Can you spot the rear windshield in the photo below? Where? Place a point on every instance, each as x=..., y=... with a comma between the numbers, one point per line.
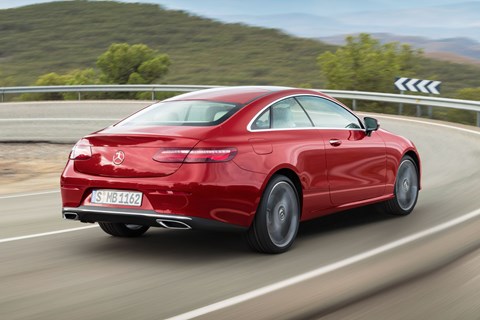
x=182, y=113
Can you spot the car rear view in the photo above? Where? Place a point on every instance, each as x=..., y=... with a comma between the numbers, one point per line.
x=157, y=168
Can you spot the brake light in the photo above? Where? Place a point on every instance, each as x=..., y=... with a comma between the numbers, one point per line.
x=171, y=154
x=211, y=155
x=81, y=151
x=197, y=155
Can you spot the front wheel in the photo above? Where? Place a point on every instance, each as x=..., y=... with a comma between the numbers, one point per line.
x=276, y=222
x=123, y=230
x=406, y=188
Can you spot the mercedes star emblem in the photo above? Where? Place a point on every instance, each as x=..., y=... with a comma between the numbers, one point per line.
x=118, y=157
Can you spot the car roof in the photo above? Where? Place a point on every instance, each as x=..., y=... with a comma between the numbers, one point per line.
x=237, y=95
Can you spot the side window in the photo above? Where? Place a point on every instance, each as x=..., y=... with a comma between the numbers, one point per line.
x=327, y=114
x=289, y=114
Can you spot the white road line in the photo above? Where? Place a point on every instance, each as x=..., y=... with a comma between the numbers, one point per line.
x=37, y=235
x=59, y=119
x=325, y=269
x=28, y=194
x=430, y=123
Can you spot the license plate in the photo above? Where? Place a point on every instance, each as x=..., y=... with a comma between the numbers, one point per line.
x=125, y=198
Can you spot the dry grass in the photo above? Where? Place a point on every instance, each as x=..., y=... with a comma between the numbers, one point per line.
x=31, y=167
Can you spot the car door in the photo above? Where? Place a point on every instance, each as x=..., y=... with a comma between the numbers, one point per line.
x=294, y=140
x=356, y=163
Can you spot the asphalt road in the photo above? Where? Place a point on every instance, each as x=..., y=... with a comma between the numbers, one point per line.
x=86, y=274
x=449, y=293
x=61, y=122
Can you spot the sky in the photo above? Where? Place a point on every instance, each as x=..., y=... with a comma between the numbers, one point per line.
x=214, y=8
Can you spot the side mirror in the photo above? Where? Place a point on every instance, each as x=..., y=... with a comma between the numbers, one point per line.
x=371, y=124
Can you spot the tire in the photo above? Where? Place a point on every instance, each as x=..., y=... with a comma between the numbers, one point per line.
x=275, y=225
x=406, y=189
x=123, y=230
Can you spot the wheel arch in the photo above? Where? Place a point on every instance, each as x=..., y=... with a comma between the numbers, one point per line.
x=412, y=154
x=293, y=176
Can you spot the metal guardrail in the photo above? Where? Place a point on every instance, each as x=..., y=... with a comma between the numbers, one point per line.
x=353, y=95
x=79, y=89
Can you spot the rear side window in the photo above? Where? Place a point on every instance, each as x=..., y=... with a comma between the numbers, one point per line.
x=263, y=121
x=327, y=114
x=182, y=113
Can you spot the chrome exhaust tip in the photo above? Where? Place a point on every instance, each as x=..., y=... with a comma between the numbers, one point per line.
x=70, y=215
x=172, y=224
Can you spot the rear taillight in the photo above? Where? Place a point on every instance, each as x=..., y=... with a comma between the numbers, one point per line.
x=197, y=155
x=81, y=151
x=211, y=155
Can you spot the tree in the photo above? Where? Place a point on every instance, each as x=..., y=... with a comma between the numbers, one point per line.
x=80, y=77
x=49, y=79
x=120, y=64
x=136, y=64
x=364, y=64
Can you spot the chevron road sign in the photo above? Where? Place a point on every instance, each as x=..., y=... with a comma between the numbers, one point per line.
x=418, y=85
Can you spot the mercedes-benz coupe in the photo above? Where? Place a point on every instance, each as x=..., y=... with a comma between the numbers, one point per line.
x=256, y=159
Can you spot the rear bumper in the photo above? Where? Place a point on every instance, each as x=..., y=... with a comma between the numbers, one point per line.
x=221, y=192
x=144, y=217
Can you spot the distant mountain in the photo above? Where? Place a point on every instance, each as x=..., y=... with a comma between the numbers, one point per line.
x=452, y=49
x=444, y=21
x=452, y=26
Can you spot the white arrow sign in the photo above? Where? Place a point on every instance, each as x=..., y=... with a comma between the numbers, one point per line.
x=399, y=84
x=417, y=85
x=411, y=85
x=432, y=87
x=422, y=85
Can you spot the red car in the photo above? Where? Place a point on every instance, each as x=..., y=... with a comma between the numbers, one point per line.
x=258, y=159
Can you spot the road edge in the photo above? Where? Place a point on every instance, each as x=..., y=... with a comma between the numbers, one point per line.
x=321, y=294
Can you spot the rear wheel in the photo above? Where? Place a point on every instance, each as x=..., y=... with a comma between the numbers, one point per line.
x=406, y=188
x=123, y=230
x=276, y=222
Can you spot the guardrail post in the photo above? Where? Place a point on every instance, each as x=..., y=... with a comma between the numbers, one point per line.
x=354, y=105
x=478, y=119
x=419, y=111
x=2, y=96
x=400, y=105
x=430, y=112
x=153, y=95
x=79, y=96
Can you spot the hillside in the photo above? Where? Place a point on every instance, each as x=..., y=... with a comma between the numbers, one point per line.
x=458, y=49
x=60, y=36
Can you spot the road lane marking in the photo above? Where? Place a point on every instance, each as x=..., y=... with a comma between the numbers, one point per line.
x=324, y=269
x=59, y=119
x=37, y=235
x=28, y=194
x=430, y=123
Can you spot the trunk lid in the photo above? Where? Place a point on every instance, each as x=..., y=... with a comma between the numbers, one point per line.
x=128, y=152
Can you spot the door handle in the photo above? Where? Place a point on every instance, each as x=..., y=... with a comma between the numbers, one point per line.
x=335, y=142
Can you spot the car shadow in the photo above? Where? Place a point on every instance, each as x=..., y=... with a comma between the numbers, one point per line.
x=197, y=246
x=342, y=220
